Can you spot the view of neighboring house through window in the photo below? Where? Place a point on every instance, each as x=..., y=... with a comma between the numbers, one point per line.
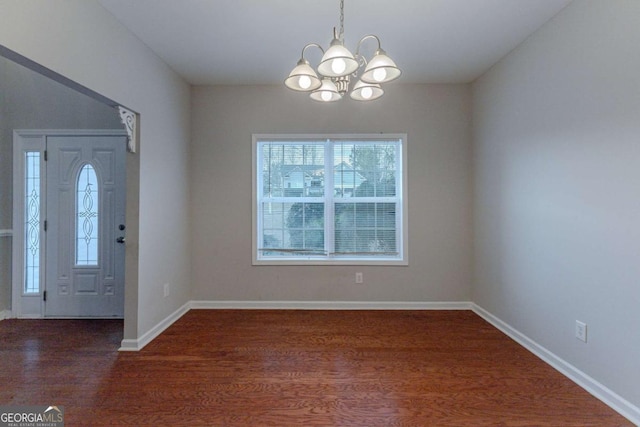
x=329, y=199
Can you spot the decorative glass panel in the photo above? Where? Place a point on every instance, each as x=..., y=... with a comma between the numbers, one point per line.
x=32, y=223
x=87, y=217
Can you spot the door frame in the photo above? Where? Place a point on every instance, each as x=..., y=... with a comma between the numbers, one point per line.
x=32, y=305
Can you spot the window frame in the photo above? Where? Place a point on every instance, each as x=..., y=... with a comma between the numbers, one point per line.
x=401, y=192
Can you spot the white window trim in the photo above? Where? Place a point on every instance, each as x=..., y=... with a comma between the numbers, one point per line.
x=403, y=259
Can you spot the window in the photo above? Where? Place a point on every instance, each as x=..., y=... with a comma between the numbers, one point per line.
x=32, y=222
x=329, y=199
x=87, y=217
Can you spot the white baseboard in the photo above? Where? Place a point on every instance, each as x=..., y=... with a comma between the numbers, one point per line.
x=146, y=338
x=331, y=305
x=5, y=314
x=613, y=400
x=138, y=344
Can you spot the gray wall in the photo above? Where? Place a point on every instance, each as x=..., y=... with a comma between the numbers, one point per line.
x=83, y=42
x=557, y=189
x=29, y=100
x=437, y=121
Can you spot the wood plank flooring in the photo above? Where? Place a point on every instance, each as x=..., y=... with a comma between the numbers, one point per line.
x=292, y=368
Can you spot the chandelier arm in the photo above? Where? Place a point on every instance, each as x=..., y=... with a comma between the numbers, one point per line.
x=362, y=63
x=310, y=45
x=368, y=36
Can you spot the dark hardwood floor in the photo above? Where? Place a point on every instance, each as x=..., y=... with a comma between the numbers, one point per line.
x=292, y=368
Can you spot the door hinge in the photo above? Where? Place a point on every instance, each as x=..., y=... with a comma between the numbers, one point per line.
x=45, y=225
x=44, y=295
x=46, y=156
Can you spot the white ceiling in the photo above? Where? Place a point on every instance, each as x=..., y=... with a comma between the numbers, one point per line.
x=260, y=41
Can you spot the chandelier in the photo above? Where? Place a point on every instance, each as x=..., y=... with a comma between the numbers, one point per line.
x=339, y=66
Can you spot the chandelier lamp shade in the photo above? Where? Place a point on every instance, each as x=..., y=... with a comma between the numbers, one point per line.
x=327, y=92
x=363, y=91
x=303, y=78
x=339, y=67
x=337, y=61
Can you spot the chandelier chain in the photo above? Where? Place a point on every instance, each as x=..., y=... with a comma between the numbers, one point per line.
x=341, y=36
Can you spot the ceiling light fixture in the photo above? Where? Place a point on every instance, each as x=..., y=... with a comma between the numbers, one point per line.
x=338, y=66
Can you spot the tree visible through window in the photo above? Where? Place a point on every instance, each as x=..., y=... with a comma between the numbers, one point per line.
x=329, y=199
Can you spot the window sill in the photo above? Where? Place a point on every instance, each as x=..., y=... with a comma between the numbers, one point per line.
x=300, y=262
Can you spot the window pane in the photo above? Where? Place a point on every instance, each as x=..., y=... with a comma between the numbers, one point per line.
x=386, y=216
x=293, y=170
x=87, y=217
x=364, y=170
x=295, y=228
x=365, y=228
x=32, y=223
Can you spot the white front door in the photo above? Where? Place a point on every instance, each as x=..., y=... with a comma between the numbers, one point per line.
x=85, y=205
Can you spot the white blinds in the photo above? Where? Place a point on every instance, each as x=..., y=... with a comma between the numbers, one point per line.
x=323, y=199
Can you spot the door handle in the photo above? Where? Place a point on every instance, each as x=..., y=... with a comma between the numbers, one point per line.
x=120, y=239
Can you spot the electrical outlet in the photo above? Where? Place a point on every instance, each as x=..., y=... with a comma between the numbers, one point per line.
x=581, y=331
x=166, y=290
x=359, y=278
